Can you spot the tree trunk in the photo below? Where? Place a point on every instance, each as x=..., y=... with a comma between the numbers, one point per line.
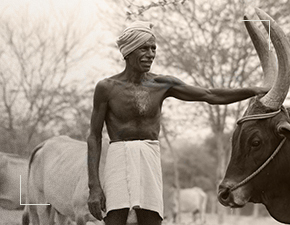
x=220, y=172
x=176, y=194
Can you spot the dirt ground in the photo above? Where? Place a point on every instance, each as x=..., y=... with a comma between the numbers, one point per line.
x=211, y=219
x=8, y=217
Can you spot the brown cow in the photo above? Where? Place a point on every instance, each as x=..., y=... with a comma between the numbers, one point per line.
x=259, y=168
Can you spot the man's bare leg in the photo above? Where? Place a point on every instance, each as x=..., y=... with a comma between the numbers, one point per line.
x=146, y=217
x=117, y=217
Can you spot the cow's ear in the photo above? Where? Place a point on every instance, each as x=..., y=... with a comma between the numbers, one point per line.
x=283, y=129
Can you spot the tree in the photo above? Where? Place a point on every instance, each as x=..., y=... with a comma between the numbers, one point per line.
x=36, y=58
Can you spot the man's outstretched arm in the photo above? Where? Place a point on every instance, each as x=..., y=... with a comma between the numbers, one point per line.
x=180, y=90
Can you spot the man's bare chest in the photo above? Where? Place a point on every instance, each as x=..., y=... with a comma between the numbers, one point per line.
x=141, y=100
x=136, y=100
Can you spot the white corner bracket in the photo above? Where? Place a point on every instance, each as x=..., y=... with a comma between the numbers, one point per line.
x=20, y=197
x=268, y=31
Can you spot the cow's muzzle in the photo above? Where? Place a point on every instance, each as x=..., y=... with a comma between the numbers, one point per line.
x=224, y=195
x=233, y=199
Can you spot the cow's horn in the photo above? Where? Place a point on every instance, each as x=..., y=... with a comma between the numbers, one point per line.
x=276, y=96
x=266, y=56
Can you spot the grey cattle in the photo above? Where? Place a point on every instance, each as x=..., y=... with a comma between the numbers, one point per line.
x=11, y=167
x=58, y=176
x=192, y=200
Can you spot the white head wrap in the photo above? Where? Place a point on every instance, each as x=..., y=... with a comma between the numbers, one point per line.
x=134, y=36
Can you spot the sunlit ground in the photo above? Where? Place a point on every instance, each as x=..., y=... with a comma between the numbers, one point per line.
x=14, y=218
x=211, y=219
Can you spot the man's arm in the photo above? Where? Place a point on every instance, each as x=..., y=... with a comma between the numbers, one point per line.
x=180, y=90
x=96, y=199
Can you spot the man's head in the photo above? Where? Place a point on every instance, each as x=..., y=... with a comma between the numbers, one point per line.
x=138, y=45
x=142, y=58
x=135, y=35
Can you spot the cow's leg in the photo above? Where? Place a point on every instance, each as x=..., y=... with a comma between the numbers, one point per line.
x=52, y=216
x=32, y=209
x=195, y=214
x=174, y=215
x=80, y=220
x=203, y=209
x=44, y=214
x=57, y=218
x=81, y=211
x=80, y=205
x=25, y=216
x=61, y=219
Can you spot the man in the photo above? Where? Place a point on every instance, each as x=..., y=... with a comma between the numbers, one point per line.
x=130, y=105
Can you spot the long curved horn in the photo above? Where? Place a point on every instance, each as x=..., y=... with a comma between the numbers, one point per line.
x=266, y=56
x=276, y=96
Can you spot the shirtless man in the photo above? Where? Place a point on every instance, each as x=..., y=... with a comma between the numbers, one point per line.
x=130, y=104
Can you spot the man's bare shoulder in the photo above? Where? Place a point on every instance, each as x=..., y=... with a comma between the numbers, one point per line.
x=168, y=79
x=108, y=82
x=104, y=87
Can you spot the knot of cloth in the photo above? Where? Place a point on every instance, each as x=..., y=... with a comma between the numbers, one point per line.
x=135, y=35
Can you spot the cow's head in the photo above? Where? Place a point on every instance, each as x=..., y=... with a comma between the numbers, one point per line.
x=261, y=130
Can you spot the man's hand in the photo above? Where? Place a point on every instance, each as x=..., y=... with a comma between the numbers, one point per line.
x=97, y=202
x=261, y=91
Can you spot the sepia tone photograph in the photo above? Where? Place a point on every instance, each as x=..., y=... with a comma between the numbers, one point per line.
x=144, y=112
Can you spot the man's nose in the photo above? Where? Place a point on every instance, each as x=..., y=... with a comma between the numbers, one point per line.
x=151, y=53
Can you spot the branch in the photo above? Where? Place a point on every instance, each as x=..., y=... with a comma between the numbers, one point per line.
x=143, y=8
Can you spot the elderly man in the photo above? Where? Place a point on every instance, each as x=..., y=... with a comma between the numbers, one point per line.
x=130, y=105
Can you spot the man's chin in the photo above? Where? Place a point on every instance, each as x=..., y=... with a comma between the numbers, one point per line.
x=146, y=70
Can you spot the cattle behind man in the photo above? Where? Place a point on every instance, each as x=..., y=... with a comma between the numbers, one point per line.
x=259, y=168
x=11, y=167
x=58, y=176
x=192, y=200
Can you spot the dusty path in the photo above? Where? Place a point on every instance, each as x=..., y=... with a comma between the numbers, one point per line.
x=8, y=217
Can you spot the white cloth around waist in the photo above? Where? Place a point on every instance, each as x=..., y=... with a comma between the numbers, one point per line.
x=133, y=176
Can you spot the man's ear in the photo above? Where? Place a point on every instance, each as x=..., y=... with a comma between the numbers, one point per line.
x=283, y=129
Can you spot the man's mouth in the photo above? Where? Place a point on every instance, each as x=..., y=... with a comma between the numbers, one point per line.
x=146, y=63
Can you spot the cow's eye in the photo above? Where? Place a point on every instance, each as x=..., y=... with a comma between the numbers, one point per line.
x=256, y=143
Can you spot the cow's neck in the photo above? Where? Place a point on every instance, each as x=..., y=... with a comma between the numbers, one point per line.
x=276, y=196
x=278, y=205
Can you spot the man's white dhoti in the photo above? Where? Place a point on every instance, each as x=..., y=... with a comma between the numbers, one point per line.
x=133, y=176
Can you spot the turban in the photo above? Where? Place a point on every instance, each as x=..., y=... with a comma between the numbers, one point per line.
x=134, y=36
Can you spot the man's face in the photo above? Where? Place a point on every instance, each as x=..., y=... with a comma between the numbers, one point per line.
x=142, y=58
